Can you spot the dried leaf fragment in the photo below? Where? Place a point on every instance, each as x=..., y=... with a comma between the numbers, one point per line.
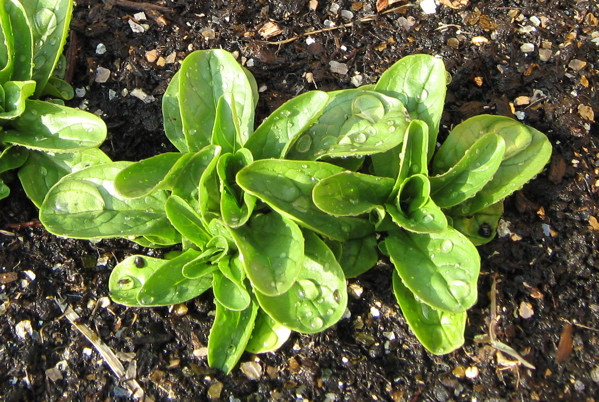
x=586, y=112
x=593, y=223
x=270, y=29
x=564, y=348
x=455, y=4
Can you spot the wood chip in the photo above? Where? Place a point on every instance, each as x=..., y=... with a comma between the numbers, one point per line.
x=455, y=4
x=479, y=41
x=593, y=224
x=557, y=168
x=522, y=100
x=151, y=55
x=269, y=30
x=564, y=348
x=586, y=112
x=8, y=277
x=313, y=5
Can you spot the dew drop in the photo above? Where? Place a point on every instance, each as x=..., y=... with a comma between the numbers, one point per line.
x=303, y=144
x=316, y=323
x=391, y=129
x=288, y=193
x=126, y=283
x=43, y=171
x=360, y=138
x=459, y=289
x=310, y=289
x=446, y=246
x=423, y=95
x=336, y=296
x=428, y=218
x=146, y=299
x=285, y=113
x=330, y=311
x=231, y=348
x=327, y=141
x=301, y=204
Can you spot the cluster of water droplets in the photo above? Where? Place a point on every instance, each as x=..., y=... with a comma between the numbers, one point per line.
x=315, y=303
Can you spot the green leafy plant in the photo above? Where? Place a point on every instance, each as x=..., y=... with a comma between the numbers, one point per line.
x=274, y=220
x=43, y=138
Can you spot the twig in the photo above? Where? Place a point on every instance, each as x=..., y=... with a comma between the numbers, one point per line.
x=346, y=25
x=107, y=354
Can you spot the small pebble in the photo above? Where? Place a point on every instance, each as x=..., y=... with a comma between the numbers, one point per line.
x=102, y=75
x=595, y=374
x=428, y=6
x=356, y=290
x=579, y=386
x=215, y=390
x=328, y=24
x=406, y=23
x=545, y=54
x=23, y=328
x=526, y=311
x=141, y=16
x=310, y=40
x=527, y=48
x=535, y=20
x=200, y=353
x=80, y=92
x=576, y=64
x=111, y=94
x=53, y=374
x=471, y=372
x=374, y=312
x=338, y=68
x=334, y=8
x=151, y=55
x=347, y=15
x=101, y=48
x=356, y=80
x=141, y=95
x=252, y=370
x=208, y=33
x=453, y=43
x=135, y=27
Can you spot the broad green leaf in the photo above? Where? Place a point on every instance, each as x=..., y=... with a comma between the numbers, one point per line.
x=441, y=269
x=187, y=221
x=268, y=335
x=414, y=210
x=317, y=299
x=50, y=25
x=207, y=261
x=236, y=206
x=187, y=185
x=516, y=135
x=15, y=95
x=272, y=250
x=277, y=132
x=209, y=193
x=513, y=173
x=353, y=123
x=154, y=173
x=58, y=88
x=23, y=41
x=12, y=158
x=171, y=114
x=351, y=194
x=226, y=131
x=358, y=256
x=419, y=82
x=481, y=227
x=129, y=275
x=439, y=332
x=7, y=46
x=4, y=190
x=229, y=336
x=471, y=173
x=167, y=285
x=205, y=76
x=51, y=127
x=413, y=157
x=86, y=205
x=42, y=170
x=286, y=186
x=228, y=286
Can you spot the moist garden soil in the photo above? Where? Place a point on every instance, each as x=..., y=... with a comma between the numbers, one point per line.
x=532, y=60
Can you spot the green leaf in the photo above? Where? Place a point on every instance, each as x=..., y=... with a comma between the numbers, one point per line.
x=481, y=227
x=50, y=25
x=15, y=95
x=4, y=190
x=513, y=173
x=353, y=123
x=439, y=332
x=228, y=286
x=441, y=269
x=277, y=132
x=268, y=335
x=187, y=221
x=419, y=82
x=413, y=157
x=167, y=285
x=272, y=250
x=23, y=41
x=7, y=46
x=516, y=135
x=414, y=210
x=236, y=206
x=205, y=76
x=85, y=205
x=171, y=113
x=229, y=336
x=351, y=194
x=42, y=170
x=129, y=275
x=226, y=131
x=58, y=88
x=471, y=173
x=317, y=299
x=151, y=174
x=12, y=158
x=358, y=256
x=187, y=185
x=286, y=186
x=51, y=127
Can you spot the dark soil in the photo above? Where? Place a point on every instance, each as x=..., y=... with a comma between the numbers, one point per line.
x=545, y=262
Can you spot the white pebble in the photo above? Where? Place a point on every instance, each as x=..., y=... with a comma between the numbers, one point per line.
x=141, y=95
x=23, y=328
x=535, y=20
x=356, y=80
x=101, y=48
x=374, y=312
x=527, y=48
x=102, y=75
x=428, y=6
x=135, y=27
x=339, y=68
x=80, y=92
x=347, y=15
x=310, y=40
